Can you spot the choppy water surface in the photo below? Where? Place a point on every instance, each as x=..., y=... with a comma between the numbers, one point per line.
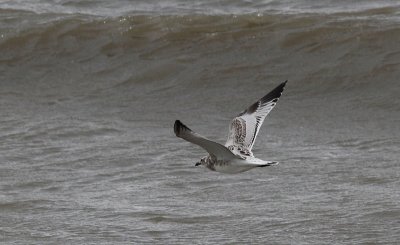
x=89, y=91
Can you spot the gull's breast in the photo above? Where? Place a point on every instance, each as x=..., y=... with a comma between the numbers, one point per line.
x=231, y=167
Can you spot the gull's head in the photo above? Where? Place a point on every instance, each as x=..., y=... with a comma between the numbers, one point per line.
x=202, y=162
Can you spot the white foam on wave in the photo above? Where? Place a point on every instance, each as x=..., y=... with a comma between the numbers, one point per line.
x=121, y=8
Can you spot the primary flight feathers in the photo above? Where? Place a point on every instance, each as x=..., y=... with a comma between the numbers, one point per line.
x=236, y=154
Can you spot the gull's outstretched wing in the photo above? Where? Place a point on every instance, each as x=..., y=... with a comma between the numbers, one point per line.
x=213, y=148
x=244, y=128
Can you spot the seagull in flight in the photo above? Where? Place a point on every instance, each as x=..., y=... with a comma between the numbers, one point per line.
x=236, y=155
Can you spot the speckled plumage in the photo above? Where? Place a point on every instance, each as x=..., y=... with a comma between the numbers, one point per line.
x=236, y=155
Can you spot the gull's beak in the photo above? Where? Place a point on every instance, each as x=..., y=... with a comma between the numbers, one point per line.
x=197, y=164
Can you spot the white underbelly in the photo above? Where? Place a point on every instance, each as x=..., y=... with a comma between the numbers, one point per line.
x=233, y=167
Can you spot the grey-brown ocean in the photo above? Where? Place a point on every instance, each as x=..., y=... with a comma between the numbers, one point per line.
x=89, y=92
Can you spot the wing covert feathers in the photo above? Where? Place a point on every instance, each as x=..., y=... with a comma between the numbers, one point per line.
x=213, y=148
x=244, y=128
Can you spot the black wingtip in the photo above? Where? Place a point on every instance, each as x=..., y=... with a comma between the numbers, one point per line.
x=275, y=93
x=271, y=96
x=178, y=126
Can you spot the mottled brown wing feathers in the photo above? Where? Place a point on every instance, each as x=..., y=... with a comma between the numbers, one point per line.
x=244, y=128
